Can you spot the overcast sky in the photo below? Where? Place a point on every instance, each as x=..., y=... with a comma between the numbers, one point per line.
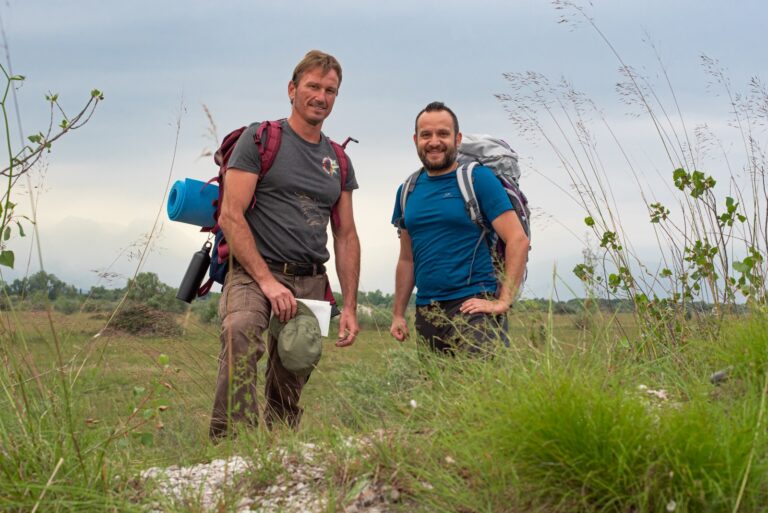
x=160, y=62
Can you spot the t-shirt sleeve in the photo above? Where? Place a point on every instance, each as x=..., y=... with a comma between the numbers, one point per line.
x=397, y=213
x=245, y=155
x=491, y=195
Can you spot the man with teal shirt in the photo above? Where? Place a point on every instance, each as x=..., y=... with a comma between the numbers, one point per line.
x=460, y=303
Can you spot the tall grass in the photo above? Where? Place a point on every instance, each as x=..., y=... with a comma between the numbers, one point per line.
x=50, y=456
x=538, y=430
x=706, y=212
x=590, y=414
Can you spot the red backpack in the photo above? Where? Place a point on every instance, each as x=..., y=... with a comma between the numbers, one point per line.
x=268, y=137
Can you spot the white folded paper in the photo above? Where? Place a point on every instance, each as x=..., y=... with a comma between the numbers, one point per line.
x=322, y=310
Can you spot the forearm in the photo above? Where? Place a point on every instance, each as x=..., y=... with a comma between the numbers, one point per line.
x=404, y=282
x=515, y=258
x=243, y=247
x=347, y=252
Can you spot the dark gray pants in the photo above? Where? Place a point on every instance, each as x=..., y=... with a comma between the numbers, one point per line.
x=444, y=329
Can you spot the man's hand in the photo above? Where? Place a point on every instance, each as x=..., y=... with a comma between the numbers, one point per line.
x=348, y=328
x=478, y=305
x=282, y=300
x=399, y=328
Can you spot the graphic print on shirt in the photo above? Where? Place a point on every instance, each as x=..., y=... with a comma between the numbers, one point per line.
x=330, y=166
x=311, y=210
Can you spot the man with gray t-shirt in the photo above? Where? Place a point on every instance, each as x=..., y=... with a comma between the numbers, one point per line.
x=279, y=248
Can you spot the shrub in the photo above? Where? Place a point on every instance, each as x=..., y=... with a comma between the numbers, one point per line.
x=66, y=306
x=207, y=308
x=142, y=320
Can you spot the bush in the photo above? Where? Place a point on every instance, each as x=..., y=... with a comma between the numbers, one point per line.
x=142, y=320
x=98, y=305
x=207, y=308
x=66, y=306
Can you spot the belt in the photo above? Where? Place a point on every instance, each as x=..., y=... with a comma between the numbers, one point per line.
x=296, y=269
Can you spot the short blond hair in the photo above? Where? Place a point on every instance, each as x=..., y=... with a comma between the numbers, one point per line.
x=316, y=59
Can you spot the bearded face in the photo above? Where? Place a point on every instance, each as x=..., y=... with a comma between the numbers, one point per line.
x=436, y=141
x=437, y=157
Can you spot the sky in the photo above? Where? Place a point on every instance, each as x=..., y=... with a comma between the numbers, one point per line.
x=103, y=186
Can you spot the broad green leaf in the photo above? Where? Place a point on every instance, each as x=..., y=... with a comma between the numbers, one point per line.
x=589, y=221
x=7, y=258
x=163, y=359
x=740, y=267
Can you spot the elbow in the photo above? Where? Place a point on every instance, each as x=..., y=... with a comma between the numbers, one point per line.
x=227, y=220
x=405, y=265
x=346, y=235
x=519, y=240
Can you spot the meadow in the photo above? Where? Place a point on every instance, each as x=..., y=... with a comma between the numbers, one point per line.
x=569, y=418
x=660, y=408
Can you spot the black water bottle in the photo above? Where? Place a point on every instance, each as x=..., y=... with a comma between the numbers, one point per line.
x=201, y=260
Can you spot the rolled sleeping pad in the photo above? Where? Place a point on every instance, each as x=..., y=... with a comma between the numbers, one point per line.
x=191, y=201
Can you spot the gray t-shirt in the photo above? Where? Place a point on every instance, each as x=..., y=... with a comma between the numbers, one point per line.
x=293, y=202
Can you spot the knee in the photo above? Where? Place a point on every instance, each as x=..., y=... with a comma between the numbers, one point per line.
x=242, y=331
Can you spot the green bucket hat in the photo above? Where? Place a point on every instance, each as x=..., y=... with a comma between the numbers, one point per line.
x=299, y=343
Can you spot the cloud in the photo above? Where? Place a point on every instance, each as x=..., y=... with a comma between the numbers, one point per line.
x=104, y=183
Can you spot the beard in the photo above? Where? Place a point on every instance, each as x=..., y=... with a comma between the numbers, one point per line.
x=448, y=159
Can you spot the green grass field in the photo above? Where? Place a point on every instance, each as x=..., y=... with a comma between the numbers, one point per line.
x=570, y=418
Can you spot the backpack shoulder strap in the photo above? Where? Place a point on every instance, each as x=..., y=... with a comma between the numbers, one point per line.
x=465, y=179
x=341, y=156
x=343, y=160
x=268, y=137
x=467, y=187
x=408, y=185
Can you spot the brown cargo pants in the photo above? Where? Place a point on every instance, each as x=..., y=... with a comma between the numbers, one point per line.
x=244, y=311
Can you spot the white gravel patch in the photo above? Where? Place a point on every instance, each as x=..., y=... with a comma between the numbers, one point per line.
x=223, y=485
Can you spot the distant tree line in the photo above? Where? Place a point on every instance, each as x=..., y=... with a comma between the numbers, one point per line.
x=41, y=289
x=37, y=291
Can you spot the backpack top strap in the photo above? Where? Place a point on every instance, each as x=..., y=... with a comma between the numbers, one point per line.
x=466, y=186
x=346, y=141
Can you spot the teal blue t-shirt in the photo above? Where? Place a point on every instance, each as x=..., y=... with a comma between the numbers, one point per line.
x=448, y=262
